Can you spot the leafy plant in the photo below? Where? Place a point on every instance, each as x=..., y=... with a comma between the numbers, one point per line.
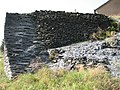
x=2, y=46
x=102, y=34
x=53, y=54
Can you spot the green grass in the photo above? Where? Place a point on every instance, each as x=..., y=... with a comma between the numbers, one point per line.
x=46, y=79
x=3, y=79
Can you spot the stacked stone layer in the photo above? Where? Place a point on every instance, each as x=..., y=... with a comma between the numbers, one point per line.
x=20, y=43
x=58, y=29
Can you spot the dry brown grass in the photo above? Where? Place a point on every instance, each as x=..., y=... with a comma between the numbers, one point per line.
x=117, y=17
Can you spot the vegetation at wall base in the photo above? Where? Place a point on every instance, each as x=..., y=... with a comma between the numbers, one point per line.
x=109, y=32
x=46, y=79
x=2, y=46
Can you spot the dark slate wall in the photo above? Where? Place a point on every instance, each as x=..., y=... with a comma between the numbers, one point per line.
x=58, y=29
x=27, y=36
x=21, y=45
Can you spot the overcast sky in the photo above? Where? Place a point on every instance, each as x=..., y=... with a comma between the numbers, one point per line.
x=27, y=6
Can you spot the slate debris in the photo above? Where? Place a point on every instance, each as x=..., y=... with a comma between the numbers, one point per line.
x=90, y=54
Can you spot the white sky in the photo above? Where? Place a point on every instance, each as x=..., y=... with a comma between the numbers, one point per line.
x=27, y=6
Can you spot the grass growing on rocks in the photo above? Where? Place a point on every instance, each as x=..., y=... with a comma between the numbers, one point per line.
x=46, y=79
x=3, y=79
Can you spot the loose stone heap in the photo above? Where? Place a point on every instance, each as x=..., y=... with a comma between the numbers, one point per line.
x=89, y=54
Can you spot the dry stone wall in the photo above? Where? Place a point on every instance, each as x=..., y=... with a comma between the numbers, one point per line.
x=58, y=29
x=28, y=36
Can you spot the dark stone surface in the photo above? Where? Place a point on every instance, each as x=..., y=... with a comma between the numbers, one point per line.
x=27, y=36
x=58, y=29
x=20, y=33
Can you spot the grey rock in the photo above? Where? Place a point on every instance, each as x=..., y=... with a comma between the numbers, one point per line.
x=93, y=53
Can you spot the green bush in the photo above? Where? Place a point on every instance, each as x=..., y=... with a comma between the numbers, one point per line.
x=53, y=54
x=2, y=46
x=110, y=31
x=102, y=34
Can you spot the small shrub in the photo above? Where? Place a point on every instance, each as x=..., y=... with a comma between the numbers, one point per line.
x=53, y=54
x=35, y=65
x=110, y=31
x=2, y=46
